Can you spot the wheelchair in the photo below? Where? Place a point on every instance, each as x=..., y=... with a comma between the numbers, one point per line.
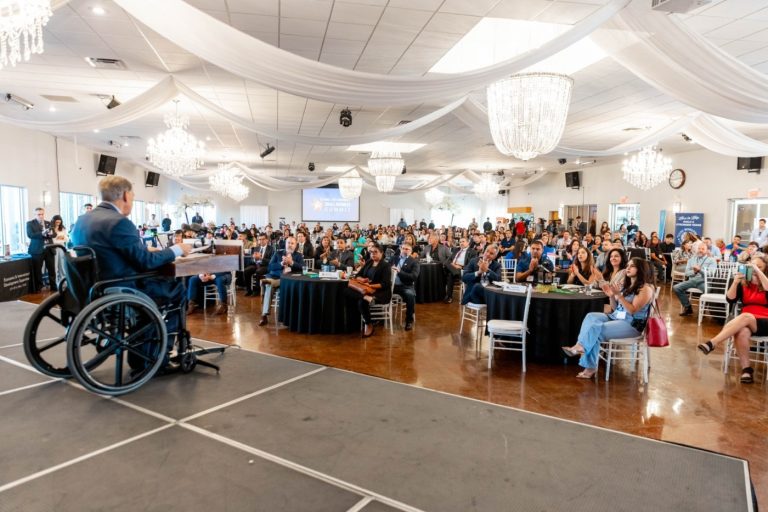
x=115, y=337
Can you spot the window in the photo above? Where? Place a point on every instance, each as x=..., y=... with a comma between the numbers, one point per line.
x=623, y=214
x=13, y=211
x=71, y=206
x=745, y=214
x=251, y=214
x=138, y=213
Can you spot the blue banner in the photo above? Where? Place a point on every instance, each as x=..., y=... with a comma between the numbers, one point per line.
x=662, y=224
x=688, y=223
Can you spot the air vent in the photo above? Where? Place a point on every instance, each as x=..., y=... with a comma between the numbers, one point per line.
x=60, y=99
x=403, y=121
x=103, y=63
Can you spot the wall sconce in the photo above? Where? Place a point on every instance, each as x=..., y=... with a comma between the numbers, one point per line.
x=46, y=196
x=677, y=207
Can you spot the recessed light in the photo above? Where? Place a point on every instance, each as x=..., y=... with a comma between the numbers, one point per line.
x=98, y=10
x=208, y=139
x=51, y=109
x=96, y=130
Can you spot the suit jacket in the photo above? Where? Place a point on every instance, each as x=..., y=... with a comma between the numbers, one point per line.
x=119, y=250
x=37, y=241
x=409, y=272
x=440, y=255
x=470, y=277
x=275, y=269
x=469, y=256
x=266, y=257
x=307, y=251
x=346, y=258
x=383, y=276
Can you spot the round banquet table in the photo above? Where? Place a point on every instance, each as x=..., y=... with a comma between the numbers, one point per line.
x=316, y=306
x=430, y=285
x=554, y=319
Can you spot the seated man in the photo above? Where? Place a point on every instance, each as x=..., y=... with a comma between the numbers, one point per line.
x=261, y=253
x=407, y=269
x=735, y=248
x=667, y=248
x=194, y=290
x=460, y=258
x=120, y=253
x=694, y=270
x=528, y=264
x=283, y=261
x=344, y=257
x=483, y=266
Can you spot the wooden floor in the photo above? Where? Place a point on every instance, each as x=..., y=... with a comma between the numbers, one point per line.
x=688, y=400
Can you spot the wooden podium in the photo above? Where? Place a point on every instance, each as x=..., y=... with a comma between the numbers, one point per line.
x=225, y=258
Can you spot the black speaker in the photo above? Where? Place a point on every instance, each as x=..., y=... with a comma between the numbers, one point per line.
x=107, y=165
x=572, y=179
x=749, y=163
x=152, y=180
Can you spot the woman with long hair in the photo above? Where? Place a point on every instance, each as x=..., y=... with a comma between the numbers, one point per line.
x=630, y=304
x=376, y=273
x=572, y=250
x=615, y=266
x=753, y=320
x=60, y=237
x=604, y=229
x=583, y=270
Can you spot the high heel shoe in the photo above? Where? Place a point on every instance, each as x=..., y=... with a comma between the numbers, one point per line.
x=571, y=352
x=585, y=375
x=367, y=330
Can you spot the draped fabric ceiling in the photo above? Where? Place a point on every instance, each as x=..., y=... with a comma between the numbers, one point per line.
x=659, y=49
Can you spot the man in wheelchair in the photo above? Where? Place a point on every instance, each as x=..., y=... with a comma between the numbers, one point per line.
x=121, y=253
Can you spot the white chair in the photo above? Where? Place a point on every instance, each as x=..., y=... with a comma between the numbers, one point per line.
x=678, y=276
x=733, y=266
x=509, y=334
x=508, y=269
x=758, y=352
x=386, y=311
x=713, y=302
x=474, y=313
x=634, y=350
x=210, y=292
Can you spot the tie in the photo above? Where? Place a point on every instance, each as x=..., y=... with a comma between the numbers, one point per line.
x=458, y=255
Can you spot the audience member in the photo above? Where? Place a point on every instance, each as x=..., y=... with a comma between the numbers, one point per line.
x=530, y=264
x=195, y=290
x=481, y=270
x=376, y=273
x=406, y=273
x=694, y=272
x=583, y=270
x=284, y=261
x=40, y=237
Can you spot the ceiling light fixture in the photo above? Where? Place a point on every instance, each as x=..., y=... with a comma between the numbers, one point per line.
x=527, y=113
x=351, y=185
x=22, y=21
x=345, y=118
x=176, y=151
x=385, y=166
x=434, y=196
x=487, y=188
x=228, y=181
x=647, y=168
x=98, y=10
x=113, y=103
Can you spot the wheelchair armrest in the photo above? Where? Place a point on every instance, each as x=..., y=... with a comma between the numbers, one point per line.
x=101, y=284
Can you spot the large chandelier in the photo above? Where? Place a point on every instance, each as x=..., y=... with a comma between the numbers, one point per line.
x=434, y=196
x=176, y=151
x=351, y=185
x=385, y=166
x=647, y=168
x=228, y=181
x=487, y=188
x=21, y=23
x=238, y=192
x=527, y=112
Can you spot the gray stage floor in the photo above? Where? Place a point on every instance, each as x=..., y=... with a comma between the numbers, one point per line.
x=272, y=434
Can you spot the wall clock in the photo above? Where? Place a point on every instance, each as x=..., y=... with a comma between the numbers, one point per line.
x=677, y=178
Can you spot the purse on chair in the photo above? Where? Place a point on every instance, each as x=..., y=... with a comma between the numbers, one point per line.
x=361, y=287
x=656, y=329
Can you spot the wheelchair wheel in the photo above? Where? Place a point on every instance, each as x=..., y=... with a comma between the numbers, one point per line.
x=47, y=354
x=116, y=344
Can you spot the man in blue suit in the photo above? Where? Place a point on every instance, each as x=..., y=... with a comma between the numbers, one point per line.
x=284, y=261
x=120, y=251
x=40, y=236
x=407, y=273
x=485, y=265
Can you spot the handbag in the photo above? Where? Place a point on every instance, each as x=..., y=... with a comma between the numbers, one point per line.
x=656, y=330
x=361, y=287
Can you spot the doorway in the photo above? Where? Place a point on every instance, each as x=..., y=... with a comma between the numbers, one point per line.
x=623, y=214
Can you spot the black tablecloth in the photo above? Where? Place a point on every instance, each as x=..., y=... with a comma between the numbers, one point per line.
x=15, y=278
x=430, y=286
x=316, y=306
x=554, y=319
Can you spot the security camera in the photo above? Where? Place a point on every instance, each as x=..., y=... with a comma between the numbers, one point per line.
x=267, y=151
x=345, y=118
x=562, y=161
x=311, y=166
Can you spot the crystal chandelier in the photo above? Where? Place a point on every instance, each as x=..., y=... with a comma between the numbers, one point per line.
x=385, y=166
x=228, y=181
x=647, y=168
x=238, y=192
x=351, y=185
x=175, y=151
x=527, y=112
x=487, y=188
x=434, y=196
x=21, y=24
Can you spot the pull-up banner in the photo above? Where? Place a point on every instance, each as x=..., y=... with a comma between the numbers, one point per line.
x=688, y=223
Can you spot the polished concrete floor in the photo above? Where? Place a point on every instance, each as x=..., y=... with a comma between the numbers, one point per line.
x=688, y=399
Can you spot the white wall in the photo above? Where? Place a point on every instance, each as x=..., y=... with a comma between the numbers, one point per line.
x=712, y=180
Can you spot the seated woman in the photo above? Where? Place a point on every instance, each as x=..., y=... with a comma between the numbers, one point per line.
x=571, y=251
x=376, y=273
x=629, y=305
x=681, y=256
x=583, y=271
x=324, y=252
x=616, y=263
x=753, y=320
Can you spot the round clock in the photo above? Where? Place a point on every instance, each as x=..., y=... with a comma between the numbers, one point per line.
x=677, y=178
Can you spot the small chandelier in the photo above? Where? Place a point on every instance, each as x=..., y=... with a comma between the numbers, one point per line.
x=527, y=112
x=385, y=166
x=487, y=188
x=175, y=151
x=434, y=196
x=228, y=181
x=647, y=168
x=238, y=192
x=351, y=185
x=21, y=23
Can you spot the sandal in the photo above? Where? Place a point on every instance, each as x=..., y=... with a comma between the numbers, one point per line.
x=572, y=352
x=706, y=348
x=585, y=374
x=746, y=375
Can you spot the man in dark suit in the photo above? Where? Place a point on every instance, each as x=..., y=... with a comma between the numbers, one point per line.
x=197, y=219
x=581, y=226
x=484, y=266
x=487, y=225
x=261, y=254
x=284, y=261
x=120, y=252
x=40, y=237
x=344, y=257
x=407, y=272
x=304, y=247
x=460, y=258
